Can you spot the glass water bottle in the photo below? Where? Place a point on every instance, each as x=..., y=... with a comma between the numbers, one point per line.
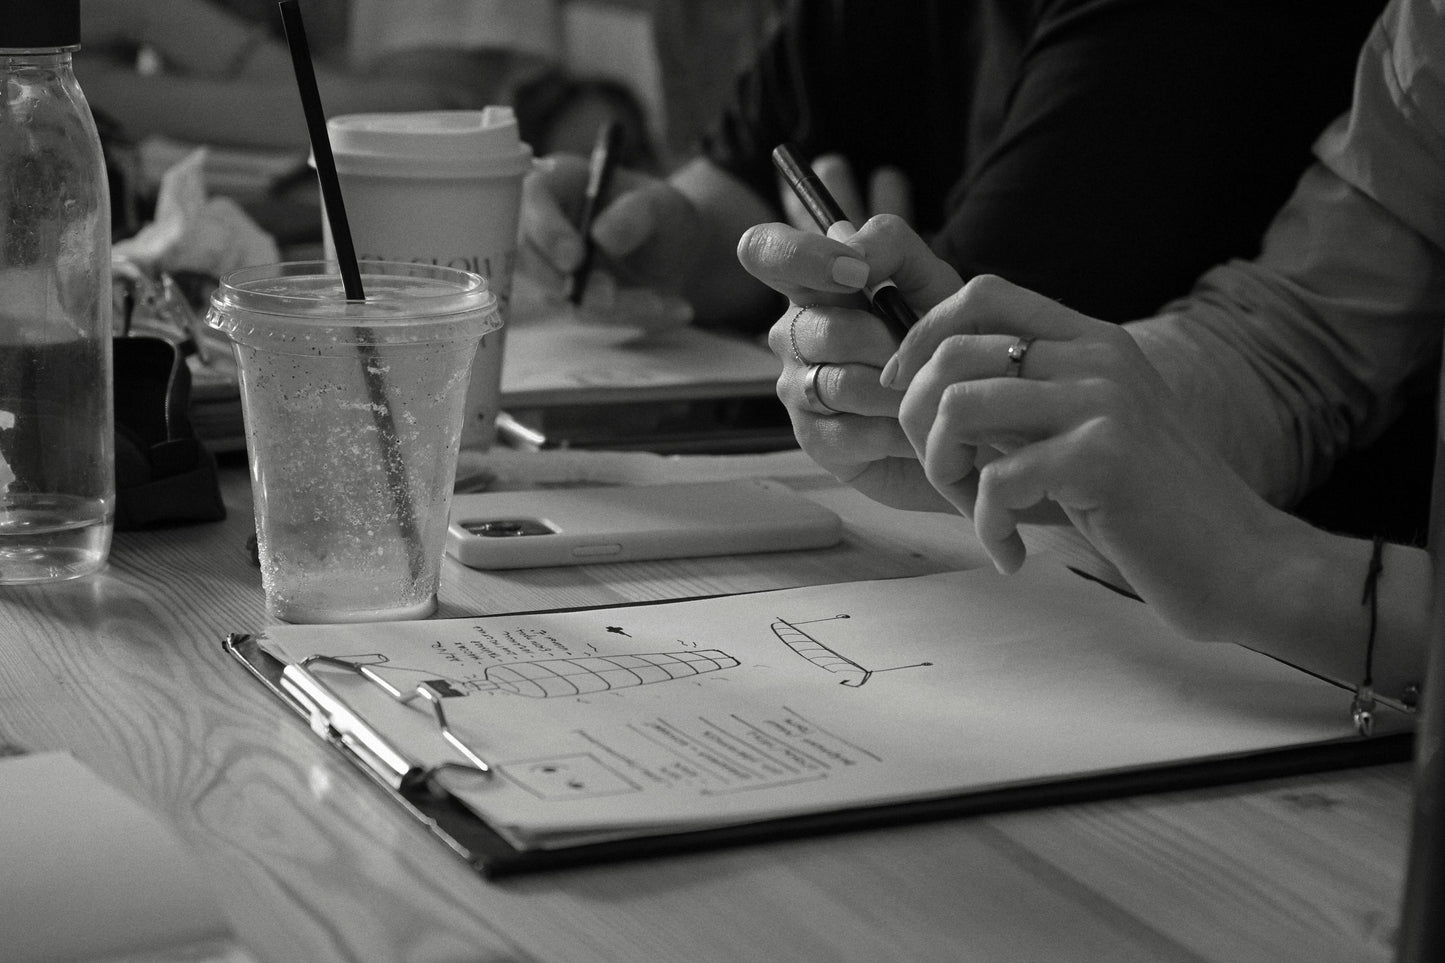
x=57, y=462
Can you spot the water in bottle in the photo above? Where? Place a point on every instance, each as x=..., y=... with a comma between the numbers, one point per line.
x=57, y=466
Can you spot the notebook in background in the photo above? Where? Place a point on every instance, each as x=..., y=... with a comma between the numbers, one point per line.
x=688, y=390
x=90, y=874
x=558, y=360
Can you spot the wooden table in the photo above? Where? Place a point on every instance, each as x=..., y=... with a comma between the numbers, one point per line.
x=125, y=670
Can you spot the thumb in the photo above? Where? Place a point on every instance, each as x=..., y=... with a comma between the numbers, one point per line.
x=894, y=250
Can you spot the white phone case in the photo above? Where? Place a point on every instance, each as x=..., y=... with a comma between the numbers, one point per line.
x=578, y=526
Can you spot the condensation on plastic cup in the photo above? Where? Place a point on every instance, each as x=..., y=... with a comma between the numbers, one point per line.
x=353, y=417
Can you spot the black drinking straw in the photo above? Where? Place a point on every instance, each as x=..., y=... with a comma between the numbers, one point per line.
x=351, y=279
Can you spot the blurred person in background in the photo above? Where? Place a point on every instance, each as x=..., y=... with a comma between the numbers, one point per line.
x=214, y=72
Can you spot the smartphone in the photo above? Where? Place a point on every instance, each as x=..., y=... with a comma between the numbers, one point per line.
x=580, y=526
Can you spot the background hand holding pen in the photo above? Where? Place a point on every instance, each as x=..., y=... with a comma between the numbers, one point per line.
x=635, y=248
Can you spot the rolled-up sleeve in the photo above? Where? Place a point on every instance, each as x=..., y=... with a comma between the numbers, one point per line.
x=1310, y=350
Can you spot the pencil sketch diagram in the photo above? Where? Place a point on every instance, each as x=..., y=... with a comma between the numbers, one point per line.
x=560, y=678
x=854, y=675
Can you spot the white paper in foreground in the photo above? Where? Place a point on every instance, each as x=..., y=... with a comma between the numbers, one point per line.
x=87, y=873
x=641, y=719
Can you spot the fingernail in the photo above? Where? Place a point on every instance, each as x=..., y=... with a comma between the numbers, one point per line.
x=850, y=272
x=890, y=371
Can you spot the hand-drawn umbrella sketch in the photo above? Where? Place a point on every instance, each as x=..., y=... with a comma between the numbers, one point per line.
x=824, y=657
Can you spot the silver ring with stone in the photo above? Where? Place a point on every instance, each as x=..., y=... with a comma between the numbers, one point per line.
x=1016, y=354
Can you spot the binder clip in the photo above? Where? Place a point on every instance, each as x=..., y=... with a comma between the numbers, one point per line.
x=333, y=720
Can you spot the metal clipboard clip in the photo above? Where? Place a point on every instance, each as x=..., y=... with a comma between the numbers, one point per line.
x=333, y=720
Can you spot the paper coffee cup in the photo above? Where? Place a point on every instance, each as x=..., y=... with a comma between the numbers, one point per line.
x=443, y=188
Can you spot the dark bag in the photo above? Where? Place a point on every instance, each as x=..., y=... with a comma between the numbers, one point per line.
x=164, y=475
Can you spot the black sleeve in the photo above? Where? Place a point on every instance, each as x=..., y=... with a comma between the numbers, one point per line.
x=1103, y=152
x=1144, y=142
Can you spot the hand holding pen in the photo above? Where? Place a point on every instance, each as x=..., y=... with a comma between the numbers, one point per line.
x=884, y=296
x=636, y=237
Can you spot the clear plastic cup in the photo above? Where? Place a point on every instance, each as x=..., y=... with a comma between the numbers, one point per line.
x=353, y=416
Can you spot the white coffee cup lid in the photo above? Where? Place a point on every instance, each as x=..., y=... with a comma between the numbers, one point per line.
x=430, y=143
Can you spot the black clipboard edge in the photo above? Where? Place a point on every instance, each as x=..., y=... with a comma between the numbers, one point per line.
x=466, y=835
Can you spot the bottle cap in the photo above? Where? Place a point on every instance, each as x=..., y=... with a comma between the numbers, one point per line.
x=28, y=24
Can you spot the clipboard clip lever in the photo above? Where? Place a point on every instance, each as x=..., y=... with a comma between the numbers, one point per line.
x=334, y=721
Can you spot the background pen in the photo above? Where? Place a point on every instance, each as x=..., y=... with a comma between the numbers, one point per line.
x=599, y=173
x=887, y=300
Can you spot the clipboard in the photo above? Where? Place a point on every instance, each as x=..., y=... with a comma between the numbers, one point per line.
x=412, y=786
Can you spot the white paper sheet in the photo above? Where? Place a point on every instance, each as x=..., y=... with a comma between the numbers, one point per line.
x=87, y=873
x=695, y=714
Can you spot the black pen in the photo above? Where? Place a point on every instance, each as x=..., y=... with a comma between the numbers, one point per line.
x=599, y=172
x=887, y=301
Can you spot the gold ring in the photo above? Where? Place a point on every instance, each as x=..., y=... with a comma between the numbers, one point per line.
x=810, y=391
x=1016, y=354
x=793, y=333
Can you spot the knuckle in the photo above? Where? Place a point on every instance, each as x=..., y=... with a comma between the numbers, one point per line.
x=952, y=350
x=911, y=406
x=1101, y=354
x=790, y=393
x=958, y=412
x=1106, y=436
x=889, y=226
x=997, y=476
x=780, y=341
x=957, y=398
x=983, y=288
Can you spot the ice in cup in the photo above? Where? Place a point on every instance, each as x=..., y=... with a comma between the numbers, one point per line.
x=353, y=414
x=439, y=187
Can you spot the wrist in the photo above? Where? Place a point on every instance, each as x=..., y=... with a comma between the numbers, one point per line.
x=1312, y=609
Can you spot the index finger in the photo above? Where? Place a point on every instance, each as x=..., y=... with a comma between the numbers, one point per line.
x=987, y=305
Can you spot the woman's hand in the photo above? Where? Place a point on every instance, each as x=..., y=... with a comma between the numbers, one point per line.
x=849, y=425
x=647, y=237
x=1082, y=421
